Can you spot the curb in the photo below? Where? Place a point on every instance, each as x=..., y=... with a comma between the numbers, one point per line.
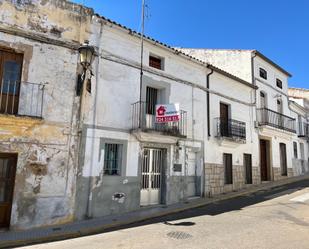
x=102, y=228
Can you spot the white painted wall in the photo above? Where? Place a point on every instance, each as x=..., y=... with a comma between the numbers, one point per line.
x=117, y=81
x=236, y=62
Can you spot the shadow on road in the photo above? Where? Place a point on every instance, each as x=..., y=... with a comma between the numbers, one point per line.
x=220, y=207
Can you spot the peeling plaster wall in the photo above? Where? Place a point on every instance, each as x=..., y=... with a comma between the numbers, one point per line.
x=44, y=191
x=52, y=18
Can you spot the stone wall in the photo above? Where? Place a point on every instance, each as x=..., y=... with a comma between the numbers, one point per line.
x=278, y=176
x=214, y=179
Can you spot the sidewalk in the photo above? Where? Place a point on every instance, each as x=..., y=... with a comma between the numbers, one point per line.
x=97, y=225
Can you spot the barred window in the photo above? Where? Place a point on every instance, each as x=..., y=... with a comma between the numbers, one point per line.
x=112, y=159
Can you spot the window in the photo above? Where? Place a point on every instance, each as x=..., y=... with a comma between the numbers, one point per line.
x=151, y=100
x=10, y=76
x=112, y=159
x=228, y=168
x=295, y=149
x=263, y=73
x=279, y=83
x=156, y=62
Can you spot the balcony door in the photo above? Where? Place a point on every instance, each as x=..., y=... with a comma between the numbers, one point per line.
x=263, y=103
x=151, y=102
x=280, y=111
x=7, y=180
x=224, y=118
x=10, y=75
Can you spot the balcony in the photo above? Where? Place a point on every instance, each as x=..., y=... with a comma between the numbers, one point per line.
x=21, y=98
x=231, y=129
x=143, y=121
x=303, y=130
x=275, y=119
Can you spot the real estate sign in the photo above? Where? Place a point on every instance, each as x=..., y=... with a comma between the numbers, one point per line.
x=167, y=113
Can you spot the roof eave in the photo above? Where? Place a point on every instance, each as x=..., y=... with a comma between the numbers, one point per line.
x=271, y=62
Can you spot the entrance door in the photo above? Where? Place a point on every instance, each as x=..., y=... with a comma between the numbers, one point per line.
x=191, y=174
x=264, y=160
x=283, y=161
x=224, y=117
x=7, y=179
x=151, y=176
x=248, y=168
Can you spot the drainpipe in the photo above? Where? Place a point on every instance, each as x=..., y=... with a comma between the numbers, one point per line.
x=208, y=130
x=207, y=100
x=254, y=94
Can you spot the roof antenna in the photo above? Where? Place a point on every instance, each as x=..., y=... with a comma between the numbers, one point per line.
x=141, y=66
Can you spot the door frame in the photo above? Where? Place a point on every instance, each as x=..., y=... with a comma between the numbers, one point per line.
x=15, y=156
x=248, y=181
x=224, y=118
x=283, y=159
x=268, y=159
x=163, y=191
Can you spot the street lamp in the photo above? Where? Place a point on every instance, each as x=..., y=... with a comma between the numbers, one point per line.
x=86, y=56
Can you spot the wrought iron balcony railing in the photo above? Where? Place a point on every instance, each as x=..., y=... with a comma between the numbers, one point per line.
x=275, y=119
x=144, y=119
x=303, y=129
x=21, y=98
x=231, y=129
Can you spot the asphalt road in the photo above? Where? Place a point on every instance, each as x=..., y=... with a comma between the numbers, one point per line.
x=278, y=218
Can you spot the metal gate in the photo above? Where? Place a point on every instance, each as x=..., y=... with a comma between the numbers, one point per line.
x=151, y=176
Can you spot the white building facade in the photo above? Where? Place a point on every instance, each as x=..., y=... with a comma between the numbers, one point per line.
x=275, y=124
x=128, y=160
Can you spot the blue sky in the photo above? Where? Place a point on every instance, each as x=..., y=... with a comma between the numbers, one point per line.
x=277, y=28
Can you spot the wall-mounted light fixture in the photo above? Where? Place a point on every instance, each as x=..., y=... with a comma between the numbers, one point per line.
x=86, y=56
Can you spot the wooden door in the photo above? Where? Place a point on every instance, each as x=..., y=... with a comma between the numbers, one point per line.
x=10, y=75
x=248, y=168
x=263, y=160
x=283, y=160
x=7, y=180
x=228, y=168
x=224, y=117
